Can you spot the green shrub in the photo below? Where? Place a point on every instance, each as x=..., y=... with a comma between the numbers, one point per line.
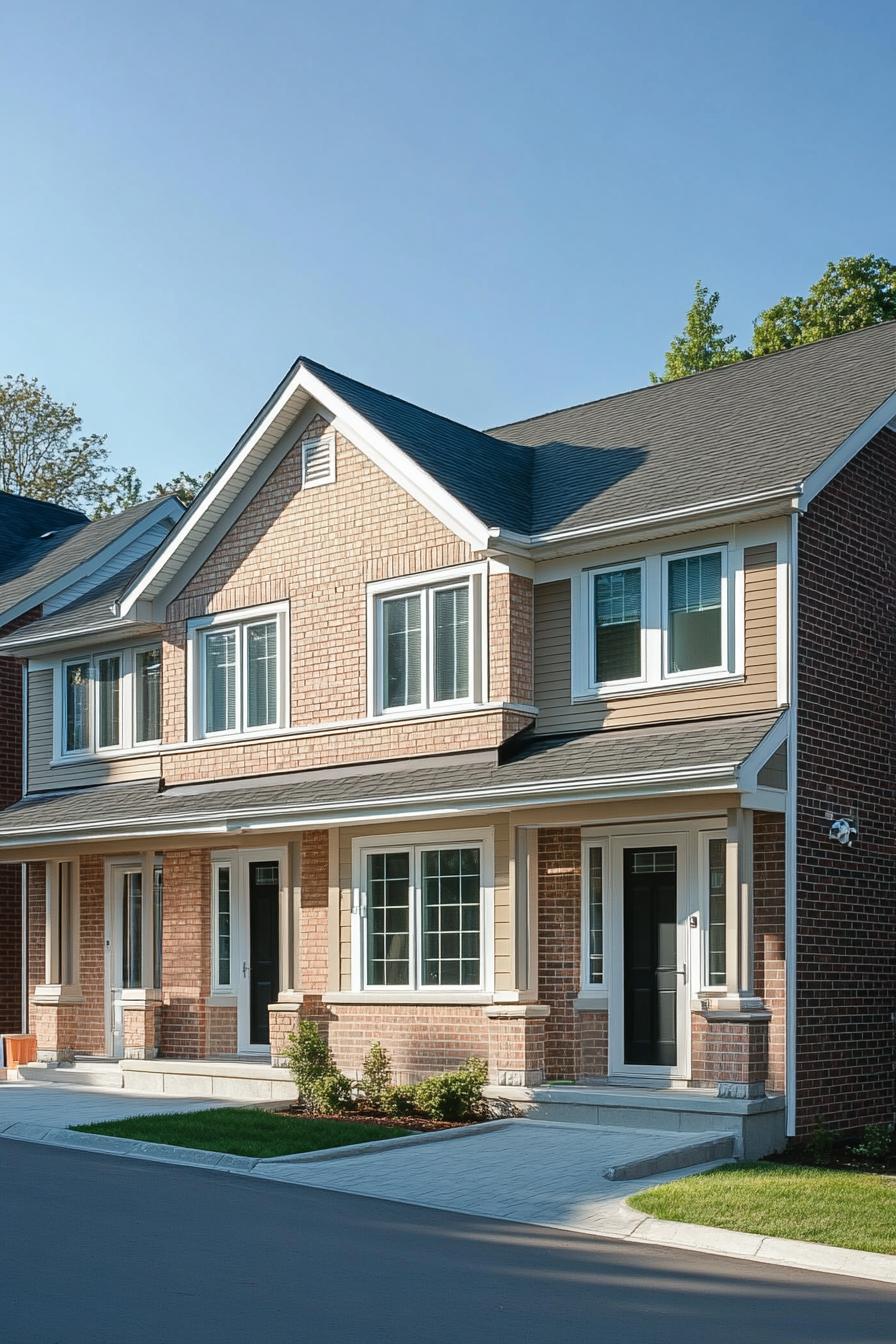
x=399, y=1101
x=453, y=1096
x=876, y=1145
x=310, y=1061
x=376, y=1079
x=820, y=1145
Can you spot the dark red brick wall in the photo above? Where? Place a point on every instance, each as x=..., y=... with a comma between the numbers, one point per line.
x=846, y=898
x=768, y=934
x=11, y=874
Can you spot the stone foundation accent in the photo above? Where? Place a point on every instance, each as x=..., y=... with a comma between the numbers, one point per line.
x=56, y=1027
x=516, y=1044
x=141, y=1023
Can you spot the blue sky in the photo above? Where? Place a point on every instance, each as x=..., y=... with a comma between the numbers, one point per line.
x=490, y=208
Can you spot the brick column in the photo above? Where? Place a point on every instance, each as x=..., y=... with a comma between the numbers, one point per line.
x=142, y=1023
x=733, y=1053
x=516, y=1044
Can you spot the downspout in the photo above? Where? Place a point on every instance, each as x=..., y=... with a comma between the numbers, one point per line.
x=790, y=847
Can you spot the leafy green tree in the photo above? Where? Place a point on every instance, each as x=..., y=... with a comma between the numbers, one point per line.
x=126, y=489
x=43, y=453
x=853, y=292
x=702, y=344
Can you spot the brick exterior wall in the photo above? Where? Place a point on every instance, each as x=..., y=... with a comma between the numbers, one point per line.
x=846, y=915
x=11, y=874
x=768, y=935
x=186, y=954
x=319, y=549
x=91, y=1012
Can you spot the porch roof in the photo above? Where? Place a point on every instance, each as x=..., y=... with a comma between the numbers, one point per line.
x=721, y=754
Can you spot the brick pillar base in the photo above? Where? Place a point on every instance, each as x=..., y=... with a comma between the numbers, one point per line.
x=141, y=1024
x=735, y=1052
x=516, y=1044
x=56, y=1027
x=282, y=1019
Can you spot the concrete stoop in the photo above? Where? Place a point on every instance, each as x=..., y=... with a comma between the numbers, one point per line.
x=755, y=1125
x=220, y=1079
x=82, y=1073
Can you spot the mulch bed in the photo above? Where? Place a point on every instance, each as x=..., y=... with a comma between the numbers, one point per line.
x=418, y=1123
x=840, y=1159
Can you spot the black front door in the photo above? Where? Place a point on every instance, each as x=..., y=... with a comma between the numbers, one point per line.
x=650, y=956
x=264, y=947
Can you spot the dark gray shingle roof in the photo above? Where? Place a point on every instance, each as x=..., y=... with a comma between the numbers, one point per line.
x=594, y=761
x=88, y=611
x=23, y=520
x=44, y=562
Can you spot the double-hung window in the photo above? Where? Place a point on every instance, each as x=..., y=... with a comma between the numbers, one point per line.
x=694, y=616
x=422, y=913
x=239, y=673
x=617, y=597
x=112, y=701
x=428, y=645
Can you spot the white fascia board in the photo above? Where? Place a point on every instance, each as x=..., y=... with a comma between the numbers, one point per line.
x=702, y=779
x=816, y=481
x=775, y=737
x=166, y=508
x=755, y=505
x=97, y=632
x=381, y=450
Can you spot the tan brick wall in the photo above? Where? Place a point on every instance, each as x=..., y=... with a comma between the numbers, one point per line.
x=186, y=957
x=314, y=924
x=319, y=548
x=421, y=1038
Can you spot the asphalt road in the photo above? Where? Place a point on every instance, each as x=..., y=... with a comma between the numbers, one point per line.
x=108, y=1250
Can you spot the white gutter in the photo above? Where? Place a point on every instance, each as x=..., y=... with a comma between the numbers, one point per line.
x=709, y=778
x=790, y=848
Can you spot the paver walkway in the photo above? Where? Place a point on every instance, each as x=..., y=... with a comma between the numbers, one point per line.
x=529, y=1171
x=57, y=1105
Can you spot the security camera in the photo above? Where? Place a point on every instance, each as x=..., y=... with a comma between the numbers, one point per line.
x=843, y=831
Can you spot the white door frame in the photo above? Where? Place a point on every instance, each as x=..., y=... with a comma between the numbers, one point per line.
x=240, y=861
x=113, y=988
x=684, y=837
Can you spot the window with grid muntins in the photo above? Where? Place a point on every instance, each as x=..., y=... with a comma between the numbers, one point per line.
x=617, y=624
x=596, y=917
x=388, y=918
x=450, y=887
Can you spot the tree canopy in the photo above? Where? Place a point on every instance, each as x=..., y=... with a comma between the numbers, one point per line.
x=853, y=292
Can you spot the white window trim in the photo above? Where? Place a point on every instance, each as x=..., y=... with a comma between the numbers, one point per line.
x=53, y=968
x=238, y=621
x=654, y=633
x=127, y=744
x=592, y=988
x=306, y=445
x=705, y=987
x=425, y=586
x=483, y=840
x=132, y=694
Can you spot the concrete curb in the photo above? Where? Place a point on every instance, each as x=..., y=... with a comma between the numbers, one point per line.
x=766, y=1250
x=674, y=1159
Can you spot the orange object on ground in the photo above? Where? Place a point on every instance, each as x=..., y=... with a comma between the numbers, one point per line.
x=19, y=1050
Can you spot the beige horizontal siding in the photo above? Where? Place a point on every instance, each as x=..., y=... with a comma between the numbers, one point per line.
x=503, y=918
x=553, y=668
x=42, y=774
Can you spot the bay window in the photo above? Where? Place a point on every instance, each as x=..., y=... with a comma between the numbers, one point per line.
x=427, y=645
x=238, y=672
x=422, y=917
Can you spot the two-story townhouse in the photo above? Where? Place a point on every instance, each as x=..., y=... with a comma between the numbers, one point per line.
x=49, y=555
x=567, y=744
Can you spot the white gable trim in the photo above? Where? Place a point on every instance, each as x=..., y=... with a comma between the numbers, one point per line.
x=301, y=387
x=167, y=508
x=816, y=481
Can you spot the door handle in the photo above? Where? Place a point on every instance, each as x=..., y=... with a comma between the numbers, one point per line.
x=245, y=969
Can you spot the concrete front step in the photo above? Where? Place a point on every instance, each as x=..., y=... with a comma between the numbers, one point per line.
x=97, y=1073
x=757, y=1125
x=236, y=1080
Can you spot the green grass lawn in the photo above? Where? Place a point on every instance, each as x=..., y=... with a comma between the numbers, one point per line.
x=837, y=1208
x=245, y=1132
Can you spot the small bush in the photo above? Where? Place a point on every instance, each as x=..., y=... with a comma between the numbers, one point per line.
x=820, y=1145
x=376, y=1080
x=313, y=1070
x=399, y=1101
x=453, y=1096
x=876, y=1145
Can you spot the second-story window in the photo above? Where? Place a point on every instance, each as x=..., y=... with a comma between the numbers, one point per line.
x=240, y=681
x=112, y=701
x=618, y=623
x=427, y=646
x=694, y=619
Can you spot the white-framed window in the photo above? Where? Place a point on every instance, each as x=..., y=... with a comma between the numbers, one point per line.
x=422, y=913
x=713, y=908
x=129, y=894
x=238, y=672
x=223, y=927
x=63, y=923
x=318, y=461
x=111, y=701
x=428, y=643
x=695, y=612
x=654, y=621
x=593, y=918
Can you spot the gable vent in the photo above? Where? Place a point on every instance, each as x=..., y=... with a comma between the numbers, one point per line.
x=319, y=461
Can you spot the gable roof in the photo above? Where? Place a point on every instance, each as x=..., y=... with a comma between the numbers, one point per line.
x=23, y=520
x=46, y=564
